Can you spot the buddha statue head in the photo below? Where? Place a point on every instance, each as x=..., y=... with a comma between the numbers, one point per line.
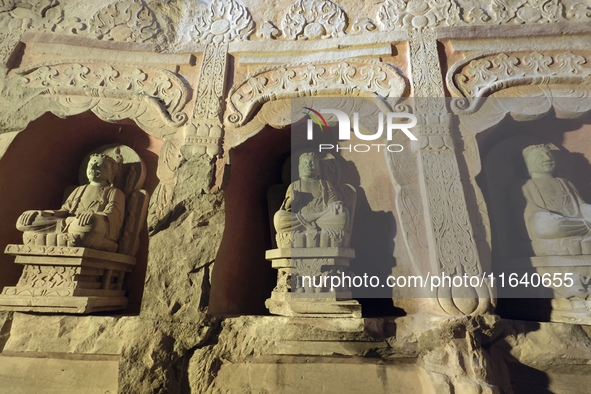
x=308, y=166
x=101, y=169
x=540, y=160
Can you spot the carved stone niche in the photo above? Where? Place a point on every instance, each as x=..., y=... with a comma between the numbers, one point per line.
x=77, y=266
x=313, y=225
x=541, y=229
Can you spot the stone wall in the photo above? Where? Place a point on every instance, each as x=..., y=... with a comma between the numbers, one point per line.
x=201, y=91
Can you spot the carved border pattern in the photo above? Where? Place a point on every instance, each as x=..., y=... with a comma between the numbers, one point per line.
x=426, y=72
x=484, y=76
x=205, y=132
x=397, y=14
x=37, y=292
x=41, y=276
x=46, y=250
x=124, y=20
x=210, y=88
x=112, y=81
x=153, y=97
x=449, y=217
x=351, y=78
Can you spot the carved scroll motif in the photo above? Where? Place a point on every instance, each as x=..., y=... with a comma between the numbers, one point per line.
x=121, y=82
x=126, y=20
x=314, y=19
x=397, y=14
x=205, y=132
x=351, y=78
x=268, y=31
x=48, y=276
x=18, y=16
x=8, y=42
x=223, y=21
x=482, y=77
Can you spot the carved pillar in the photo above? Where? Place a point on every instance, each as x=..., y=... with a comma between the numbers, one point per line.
x=205, y=131
x=8, y=42
x=452, y=248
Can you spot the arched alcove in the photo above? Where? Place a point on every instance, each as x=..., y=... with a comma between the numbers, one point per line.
x=501, y=155
x=242, y=279
x=44, y=159
x=502, y=177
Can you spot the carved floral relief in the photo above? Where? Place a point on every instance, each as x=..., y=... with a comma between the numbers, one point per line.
x=472, y=80
x=354, y=77
x=222, y=21
x=396, y=14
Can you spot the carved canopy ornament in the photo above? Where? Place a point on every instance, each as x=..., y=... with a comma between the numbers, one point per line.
x=42, y=15
x=482, y=77
x=350, y=78
x=222, y=21
x=153, y=97
x=414, y=13
x=313, y=19
x=123, y=20
x=396, y=14
x=127, y=20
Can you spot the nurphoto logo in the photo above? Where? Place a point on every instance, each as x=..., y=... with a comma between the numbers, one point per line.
x=392, y=121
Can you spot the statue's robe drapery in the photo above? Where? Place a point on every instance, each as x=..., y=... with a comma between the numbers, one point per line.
x=554, y=209
x=108, y=203
x=307, y=204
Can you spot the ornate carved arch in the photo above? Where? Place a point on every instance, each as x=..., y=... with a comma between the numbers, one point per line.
x=271, y=87
x=481, y=75
x=153, y=97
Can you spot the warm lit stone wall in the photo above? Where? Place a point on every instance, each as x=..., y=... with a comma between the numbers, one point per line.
x=201, y=91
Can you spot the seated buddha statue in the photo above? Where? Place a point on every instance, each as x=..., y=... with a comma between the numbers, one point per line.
x=557, y=220
x=311, y=208
x=91, y=217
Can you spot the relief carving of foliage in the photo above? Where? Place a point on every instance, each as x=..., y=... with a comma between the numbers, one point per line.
x=456, y=250
x=128, y=20
x=124, y=20
x=48, y=276
x=418, y=13
x=211, y=82
x=484, y=76
x=223, y=21
x=395, y=14
x=353, y=78
x=313, y=19
x=154, y=98
x=43, y=16
x=106, y=80
x=268, y=31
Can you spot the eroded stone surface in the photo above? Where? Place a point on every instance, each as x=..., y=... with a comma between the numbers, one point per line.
x=183, y=249
x=169, y=66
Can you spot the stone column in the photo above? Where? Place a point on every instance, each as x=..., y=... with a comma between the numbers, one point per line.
x=452, y=248
x=204, y=133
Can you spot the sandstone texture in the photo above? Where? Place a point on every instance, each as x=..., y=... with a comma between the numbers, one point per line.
x=203, y=93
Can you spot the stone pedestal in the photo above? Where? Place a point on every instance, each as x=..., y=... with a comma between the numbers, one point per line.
x=566, y=302
x=304, y=286
x=67, y=280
